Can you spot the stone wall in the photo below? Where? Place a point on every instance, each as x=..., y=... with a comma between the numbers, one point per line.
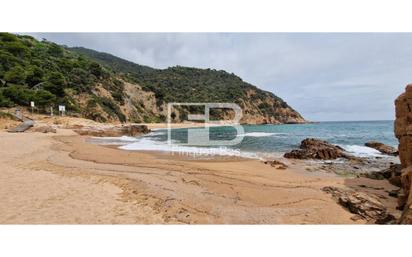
x=403, y=131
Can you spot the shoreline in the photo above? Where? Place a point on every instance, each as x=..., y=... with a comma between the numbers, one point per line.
x=111, y=186
x=213, y=152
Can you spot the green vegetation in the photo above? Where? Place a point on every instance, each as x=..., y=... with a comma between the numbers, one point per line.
x=50, y=74
x=41, y=71
x=181, y=84
x=44, y=72
x=185, y=84
x=115, y=63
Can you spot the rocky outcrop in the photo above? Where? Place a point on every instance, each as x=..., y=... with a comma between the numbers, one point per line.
x=403, y=131
x=365, y=206
x=43, y=129
x=113, y=131
x=392, y=174
x=385, y=149
x=312, y=148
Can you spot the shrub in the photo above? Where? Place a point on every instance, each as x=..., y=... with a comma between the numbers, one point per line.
x=17, y=48
x=96, y=69
x=111, y=108
x=55, y=50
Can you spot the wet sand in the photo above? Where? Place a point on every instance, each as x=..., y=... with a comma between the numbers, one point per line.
x=62, y=179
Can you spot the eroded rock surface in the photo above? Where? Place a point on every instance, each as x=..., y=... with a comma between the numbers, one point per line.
x=115, y=131
x=363, y=205
x=403, y=131
x=385, y=149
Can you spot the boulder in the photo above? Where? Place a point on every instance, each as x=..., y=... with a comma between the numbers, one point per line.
x=403, y=131
x=312, y=148
x=44, y=129
x=114, y=131
x=385, y=149
x=365, y=206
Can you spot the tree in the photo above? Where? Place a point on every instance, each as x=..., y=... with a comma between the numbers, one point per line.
x=7, y=37
x=43, y=98
x=56, y=78
x=7, y=60
x=4, y=101
x=18, y=94
x=55, y=83
x=34, y=76
x=15, y=75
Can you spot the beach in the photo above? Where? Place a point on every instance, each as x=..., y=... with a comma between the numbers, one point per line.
x=63, y=179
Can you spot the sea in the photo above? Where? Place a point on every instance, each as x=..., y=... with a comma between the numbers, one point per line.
x=262, y=141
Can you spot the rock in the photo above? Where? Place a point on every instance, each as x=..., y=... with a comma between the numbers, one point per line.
x=366, y=206
x=385, y=149
x=403, y=131
x=135, y=130
x=299, y=154
x=114, y=131
x=44, y=129
x=312, y=148
x=396, y=181
x=394, y=193
x=392, y=174
x=277, y=164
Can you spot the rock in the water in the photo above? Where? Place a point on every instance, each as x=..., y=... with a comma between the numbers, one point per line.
x=403, y=131
x=44, y=129
x=115, y=131
x=366, y=206
x=385, y=149
x=312, y=148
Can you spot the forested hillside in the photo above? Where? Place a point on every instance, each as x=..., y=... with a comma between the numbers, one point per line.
x=104, y=87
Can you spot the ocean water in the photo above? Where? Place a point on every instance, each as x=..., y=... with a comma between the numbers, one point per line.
x=263, y=141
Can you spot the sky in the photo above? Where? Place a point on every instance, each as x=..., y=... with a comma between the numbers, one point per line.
x=324, y=76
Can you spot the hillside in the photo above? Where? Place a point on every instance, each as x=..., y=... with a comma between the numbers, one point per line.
x=104, y=87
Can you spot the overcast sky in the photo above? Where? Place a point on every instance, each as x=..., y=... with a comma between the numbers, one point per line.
x=324, y=76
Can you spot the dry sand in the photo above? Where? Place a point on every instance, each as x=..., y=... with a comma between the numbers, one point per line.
x=60, y=178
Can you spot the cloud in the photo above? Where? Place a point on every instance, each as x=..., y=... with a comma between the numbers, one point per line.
x=325, y=76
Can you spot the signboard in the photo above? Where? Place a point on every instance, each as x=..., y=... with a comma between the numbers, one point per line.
x=62, y=108
x=32, y=104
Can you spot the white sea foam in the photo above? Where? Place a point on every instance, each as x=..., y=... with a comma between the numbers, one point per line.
x=113, y=140
x=261, y=134
x=146, y=144
x=157, y=133
x=361, y=151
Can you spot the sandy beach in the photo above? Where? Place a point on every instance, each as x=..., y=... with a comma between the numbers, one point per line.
x=62, y=179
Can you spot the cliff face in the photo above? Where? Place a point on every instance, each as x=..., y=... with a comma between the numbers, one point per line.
x=403, y=131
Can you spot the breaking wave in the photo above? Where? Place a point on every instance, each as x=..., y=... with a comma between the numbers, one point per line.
x=361, y=151
x=262, y=134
